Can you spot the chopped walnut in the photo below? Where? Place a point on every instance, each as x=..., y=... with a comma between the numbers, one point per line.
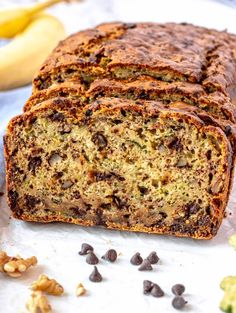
x=15, y=266
x=51, y=286
x=4, y=258
x=80, y=290
x=38, y=303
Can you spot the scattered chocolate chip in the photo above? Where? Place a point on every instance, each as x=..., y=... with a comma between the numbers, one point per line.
x=153, y=258
x=178, y=302
x=95, y=276
x=1, y=194
x=136, y=259
x=85, y=249
x=91, y=258
x=145, y=266
x=147, y=286
x=110, y=255
x=178, y=289
x=156, y=291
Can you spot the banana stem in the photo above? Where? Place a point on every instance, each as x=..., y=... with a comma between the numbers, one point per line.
x=43, y=5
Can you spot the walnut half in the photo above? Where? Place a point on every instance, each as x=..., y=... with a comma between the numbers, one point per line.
x=15, y=266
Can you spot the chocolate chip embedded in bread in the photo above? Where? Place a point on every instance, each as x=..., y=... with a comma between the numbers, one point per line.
x=100, y=140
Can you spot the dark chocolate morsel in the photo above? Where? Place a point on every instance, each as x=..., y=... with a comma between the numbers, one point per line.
x=136, y=259
x=145, y=266
x=91, y=258
x=157, y=291
x=178, y=302
x=85, y=249
x=110, y=255
x=95, y=276
x=178, y=289
x=153, y=258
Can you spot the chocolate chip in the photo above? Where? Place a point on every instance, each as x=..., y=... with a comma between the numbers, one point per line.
x=99, y=140
x=156, y=291
x=136, y=259
x=91, y=258
x=178, y=303
x=153, y=258
x=13, y=198
x=33, y=163
x=110, y=255
x=147, y=286
x=228, y=130
x=95, y=276
x=57, y=116
x=1, y=194
x=85, y=249
x=88, y=112
x=145, y=266
x=178, y=289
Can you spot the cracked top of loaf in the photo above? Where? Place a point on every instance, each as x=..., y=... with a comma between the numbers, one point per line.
x=170, y=52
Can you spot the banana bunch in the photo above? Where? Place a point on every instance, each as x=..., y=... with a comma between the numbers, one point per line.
x=34, y=35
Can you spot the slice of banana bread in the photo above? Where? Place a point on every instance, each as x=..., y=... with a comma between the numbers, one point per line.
x=122, y=164
x=168, y=52
x=215, y=104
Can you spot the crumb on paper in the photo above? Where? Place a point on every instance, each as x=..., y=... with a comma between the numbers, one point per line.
x=80, y=290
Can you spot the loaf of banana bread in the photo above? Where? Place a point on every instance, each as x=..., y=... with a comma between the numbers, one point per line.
x=131, y=127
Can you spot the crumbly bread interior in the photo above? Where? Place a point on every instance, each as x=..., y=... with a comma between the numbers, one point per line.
x=122, y=170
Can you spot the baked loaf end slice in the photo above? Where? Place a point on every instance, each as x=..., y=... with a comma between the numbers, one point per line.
x=122, y=164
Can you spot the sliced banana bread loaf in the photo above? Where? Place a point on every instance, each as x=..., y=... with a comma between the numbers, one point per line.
x=123, y=164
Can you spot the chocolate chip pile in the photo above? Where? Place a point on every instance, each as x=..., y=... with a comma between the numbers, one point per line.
x=145, y=264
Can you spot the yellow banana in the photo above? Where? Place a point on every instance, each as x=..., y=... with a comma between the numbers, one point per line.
x=13, y=21
x=21, y=58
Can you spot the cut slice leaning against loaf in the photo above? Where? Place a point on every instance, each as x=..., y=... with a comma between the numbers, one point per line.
x=122, y=164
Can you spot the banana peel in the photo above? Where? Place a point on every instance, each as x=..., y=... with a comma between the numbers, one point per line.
x=22, y=57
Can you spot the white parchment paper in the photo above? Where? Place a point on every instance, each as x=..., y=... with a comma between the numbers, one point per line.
x=200, y=265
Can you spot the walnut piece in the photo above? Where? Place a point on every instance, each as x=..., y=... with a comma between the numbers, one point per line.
x=80, y=290
x=15, y=266
x=4, y=258
x=51, y=286
x=38, y=303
